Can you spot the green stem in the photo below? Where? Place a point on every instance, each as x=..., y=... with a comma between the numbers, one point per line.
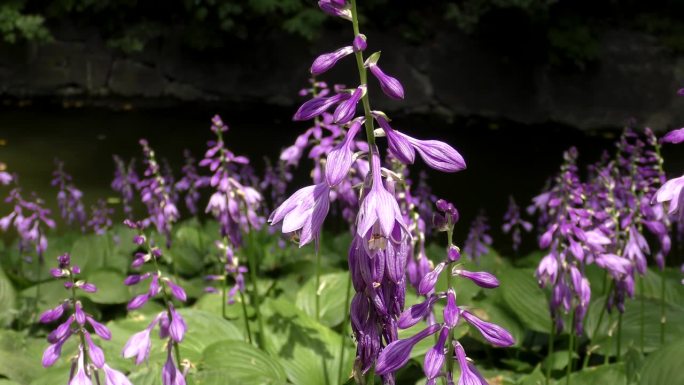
x=317, y=287
x=244, y=314
x=619, y=338
x=450, y=339
x=663, y=315
x=552, y=336
x=344, y=328
x=571, y=340
x=363, y=78
x=255, y=295
x=642, y=301
x=80, y=330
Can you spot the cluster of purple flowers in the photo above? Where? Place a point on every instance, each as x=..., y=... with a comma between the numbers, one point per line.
x=478, y=241
x=157, y=194
x=100, y=218
x=69, y=198
x=515, y=224
x=171, y=325
x=125, y=182
x=30, y=219
x=382, y=240
x=191, y=182
x=89, y=363
x=439, y=359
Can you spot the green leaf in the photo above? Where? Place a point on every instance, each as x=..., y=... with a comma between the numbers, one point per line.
x=240, y=363
x=8, y=300
x=332, y=295
x=664, y=366
x=110, y=287
x=558, y=360
x=599, y=375
x=523, y=297
x=20, y=356
x=309, y=351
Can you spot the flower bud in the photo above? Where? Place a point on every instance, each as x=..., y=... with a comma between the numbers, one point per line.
x=360, y=43
x=454, y=253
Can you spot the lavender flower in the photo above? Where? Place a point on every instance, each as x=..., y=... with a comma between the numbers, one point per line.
x=90, y=360
x=125, y=182
x=170, y=322
x=191, y=182
x=396, y=354
x=514, y=224
x=328, y=60
x=156, y=194
x=100, y=219
x=478, y=242
x=69, y=198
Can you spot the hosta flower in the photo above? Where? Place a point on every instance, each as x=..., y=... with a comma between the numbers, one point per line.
x=304, y=212
x=397, y=354
x=389, y=85
x=340, y=158
x=674, y=136
x=346, y=110
x=319, y=105
x=671, y=192
x=328, y=60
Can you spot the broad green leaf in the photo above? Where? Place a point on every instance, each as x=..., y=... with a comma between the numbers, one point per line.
x=20, y=356
x=523, y=297
x=599, y=375
x=558, y=360
x=239, y=363
x=332, y=295
x=652, y=286
x=309, y=351
x=664, y=366
x=110, y=287
x=8, y=300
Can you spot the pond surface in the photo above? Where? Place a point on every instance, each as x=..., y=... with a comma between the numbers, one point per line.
x=503, y=158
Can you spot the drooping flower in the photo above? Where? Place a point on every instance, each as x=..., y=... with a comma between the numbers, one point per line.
x=69, y=198
x=326, y=61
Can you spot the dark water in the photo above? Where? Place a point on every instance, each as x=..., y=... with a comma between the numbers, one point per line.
x=503, y=158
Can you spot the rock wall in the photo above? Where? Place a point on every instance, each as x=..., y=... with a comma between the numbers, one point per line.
x=453, y=75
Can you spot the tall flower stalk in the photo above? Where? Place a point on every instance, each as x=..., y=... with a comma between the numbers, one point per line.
x=382, y=240
x=171, y=324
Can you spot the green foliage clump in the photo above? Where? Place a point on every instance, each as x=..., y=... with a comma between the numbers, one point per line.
x=15, y=25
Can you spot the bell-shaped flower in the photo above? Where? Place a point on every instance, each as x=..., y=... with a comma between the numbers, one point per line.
x=94, y=352
x=379, y=217
x=671, y=192
x=177, y=327
x=304, y=212
x=341, y=157
x=333, y=8
x=319, y=105
x=346, y=110
x=397, y=353
x=328, y=60
x=359, y=43
x=480, y=278
x=547, y=270
x=469, y=374
x=397, y=144
x=52, y=315
x=416, y=313
x=435, y=356
x=494, y=334
x=674, y=136
x=389, y=85
x=115, y=377
x=170, y=373
x=451, y=310
x=52, y=352
x=81, y=377
x=437, y=154
x=99, y=329
x=427, y=284
x=138, y=345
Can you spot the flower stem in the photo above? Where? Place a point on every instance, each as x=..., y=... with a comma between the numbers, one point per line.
x=450, y=345
x=317, y=294
x=244, y=314
x=345, y=321
x=552, y=336
x=363, y=78
x=619, y=338
x=255, y=291
x=84, y=347
x=571, y=342
x=663, y=315
x=641, y=301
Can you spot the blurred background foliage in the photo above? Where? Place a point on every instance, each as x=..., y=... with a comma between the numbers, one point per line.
x=563, y=33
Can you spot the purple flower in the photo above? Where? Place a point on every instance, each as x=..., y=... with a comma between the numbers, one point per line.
x=304, y=212
x=346, y=110
x=340, y=158
x=416, y=313
x=69, y=198
x=333, y=8
x=327, y=61
x=125, y=180
x=379, y=217
x=360, y=43
x=671, y=192
x=398, y=145
x=100, y=218
x=674, y=136
x=319, y=105
x=494, y=334
x=114, y=377
x=138, y=345
x=480, y=278
x=177, y=326
x=469, y=374
x=170, y=373
x=396, y=354
x=389, y=85
x=427, y=284
x=81, y=377
x=478, y=241
x=451, y=310
x=435, y=356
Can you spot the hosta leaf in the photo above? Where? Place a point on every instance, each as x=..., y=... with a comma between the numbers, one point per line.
x=309, y=351
x=110, y=287
x=523, y=297
x=332, y=292
x=239, y=363
x=664, y=366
